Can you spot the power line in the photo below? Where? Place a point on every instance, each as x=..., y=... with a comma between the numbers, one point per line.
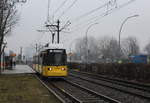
x=49, y=1
x=105, y=14
x=90, y=12
x=118, y=8
x=110, y=4
x=66, y=25
x=68, y=8
x=96, y=18
x=61, y=5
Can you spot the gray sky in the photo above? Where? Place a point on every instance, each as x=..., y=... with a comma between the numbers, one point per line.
x=33, y=14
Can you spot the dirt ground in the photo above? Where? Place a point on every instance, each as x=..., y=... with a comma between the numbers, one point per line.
x=24, y=88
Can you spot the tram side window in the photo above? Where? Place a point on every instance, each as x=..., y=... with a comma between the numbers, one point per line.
x=33, y=60
x=41, y=59
x=36, y=59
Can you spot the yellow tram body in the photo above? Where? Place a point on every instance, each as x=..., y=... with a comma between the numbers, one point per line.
x=54, y=71
x=44, y=67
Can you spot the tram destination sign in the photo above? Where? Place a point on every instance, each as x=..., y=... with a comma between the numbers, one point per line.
x=56, y=51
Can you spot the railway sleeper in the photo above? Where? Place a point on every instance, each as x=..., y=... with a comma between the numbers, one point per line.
x=85, y=96
x=89, y=99
x=93, y=101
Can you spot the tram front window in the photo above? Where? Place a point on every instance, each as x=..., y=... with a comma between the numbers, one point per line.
x=58, y=59
x=54, y=59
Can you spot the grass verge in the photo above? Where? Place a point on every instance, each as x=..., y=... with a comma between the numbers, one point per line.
x=24, y=88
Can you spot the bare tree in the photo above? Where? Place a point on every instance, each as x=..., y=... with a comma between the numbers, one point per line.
x=130, y=46
x=109, y=49
x=105, y=48
x=147, y=48
x=80, y=48
x=8, y=19
x=91, y=48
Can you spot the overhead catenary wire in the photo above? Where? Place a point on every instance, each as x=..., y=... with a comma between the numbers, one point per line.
x=87, y=13
x=63, y=13
x=118, y=8
x=48, y=22
x=101, y=16
x=48, y=10
x=60, y=6
x=96, y=18
x=110, y=3
x=90, y=12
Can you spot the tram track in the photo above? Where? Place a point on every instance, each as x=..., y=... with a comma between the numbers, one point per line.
x=50, y=89
x=83, y=94
x=78, y=88
x=126, y=83
x=141, y=94
x=70, y=92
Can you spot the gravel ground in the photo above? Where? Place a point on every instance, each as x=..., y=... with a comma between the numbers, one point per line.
x=125, y=88
x=24, y=88
x=79, y=93
x=123, y=97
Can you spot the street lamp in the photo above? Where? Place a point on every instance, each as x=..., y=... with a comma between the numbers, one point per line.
x=86, y=45
x=121, y=27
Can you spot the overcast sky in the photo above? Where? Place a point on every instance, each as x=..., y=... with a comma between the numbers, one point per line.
x=33, y=14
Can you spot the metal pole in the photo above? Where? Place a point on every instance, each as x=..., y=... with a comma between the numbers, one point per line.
x=53, y=36
x=58, y=22
x=121, y=30
x=86, y=43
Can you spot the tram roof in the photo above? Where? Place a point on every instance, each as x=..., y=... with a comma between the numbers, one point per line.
x=55, y=46
x=51, y=46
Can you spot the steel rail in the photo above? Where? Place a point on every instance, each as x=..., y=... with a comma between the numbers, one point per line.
x=49, y=89
x=75, y=100
x=121, y=90
x=118, y=81
x=108, y=99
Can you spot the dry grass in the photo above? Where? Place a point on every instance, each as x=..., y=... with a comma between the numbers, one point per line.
x=24, y=88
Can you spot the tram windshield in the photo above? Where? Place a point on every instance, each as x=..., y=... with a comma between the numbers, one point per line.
x=54, y=59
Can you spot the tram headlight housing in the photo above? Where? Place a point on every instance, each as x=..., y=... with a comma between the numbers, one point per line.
x=63, y=69
x=49, y=68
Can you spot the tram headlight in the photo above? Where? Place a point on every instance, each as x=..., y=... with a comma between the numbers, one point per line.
x=49, y=68
x=63, y=69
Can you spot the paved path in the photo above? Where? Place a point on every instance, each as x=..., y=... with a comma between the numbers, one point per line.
x=19, y=69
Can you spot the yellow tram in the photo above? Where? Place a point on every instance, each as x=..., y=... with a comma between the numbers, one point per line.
x=51, y=63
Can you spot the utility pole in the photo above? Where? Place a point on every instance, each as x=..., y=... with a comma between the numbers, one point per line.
x=53, y=35
x=58, y=22
x=57, y=30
